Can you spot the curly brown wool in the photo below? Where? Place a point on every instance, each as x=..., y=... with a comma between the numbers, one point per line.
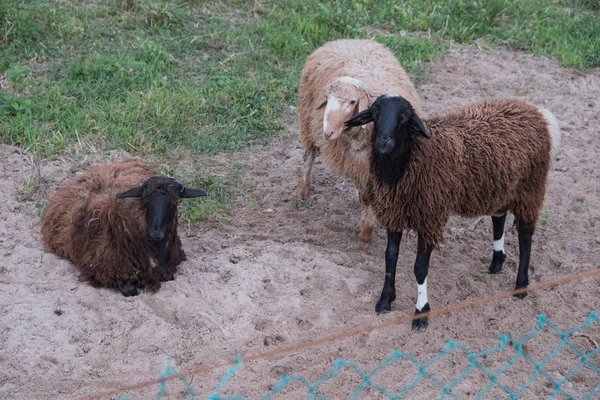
x=105, y=236
x=485, y=159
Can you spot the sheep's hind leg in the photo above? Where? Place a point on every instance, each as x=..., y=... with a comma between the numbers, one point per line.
x=388, y=294
x=128, y=290
x=366, y=231
x=305, y=179
x=525, y=239
x=421, y=269
x=499, y=255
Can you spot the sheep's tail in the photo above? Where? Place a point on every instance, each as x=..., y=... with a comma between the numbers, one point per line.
x=555, y=133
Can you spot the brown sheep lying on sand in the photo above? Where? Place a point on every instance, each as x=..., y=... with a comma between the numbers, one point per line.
x=115, y=241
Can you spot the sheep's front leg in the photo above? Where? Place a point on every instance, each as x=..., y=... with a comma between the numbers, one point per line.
x=421, y=269
x=164, y=273
x=525, y=238
x=304, y=186
x=499, y=255
x=128, y=290
x=162, y=251
x=388, y=294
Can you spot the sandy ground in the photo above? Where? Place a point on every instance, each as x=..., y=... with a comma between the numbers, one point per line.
x=267, y=280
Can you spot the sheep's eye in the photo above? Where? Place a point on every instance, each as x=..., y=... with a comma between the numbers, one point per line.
x=353, y=102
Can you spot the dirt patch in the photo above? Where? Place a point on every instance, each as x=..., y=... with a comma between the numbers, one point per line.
x=298, y=271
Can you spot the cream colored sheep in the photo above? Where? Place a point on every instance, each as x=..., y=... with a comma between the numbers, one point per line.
x=340, y=79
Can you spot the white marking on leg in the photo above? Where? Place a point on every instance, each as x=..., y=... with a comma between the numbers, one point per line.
x=499, y=244
x=422, y=295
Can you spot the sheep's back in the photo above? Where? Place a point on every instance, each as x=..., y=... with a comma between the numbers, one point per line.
x=496, y=144
x=84, y=215
x=502, y=140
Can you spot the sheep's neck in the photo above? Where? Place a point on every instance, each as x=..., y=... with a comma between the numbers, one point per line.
x=390, y=168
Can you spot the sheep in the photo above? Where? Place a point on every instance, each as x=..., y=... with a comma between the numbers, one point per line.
x=114, y=241
x=487, y=158
x=338, y=80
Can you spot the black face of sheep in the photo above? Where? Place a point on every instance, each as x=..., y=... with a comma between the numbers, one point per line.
x=161, y=195
x=394, y=119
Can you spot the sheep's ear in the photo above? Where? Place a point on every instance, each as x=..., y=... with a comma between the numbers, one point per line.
x=363, y=117
x=134, y=192
x=364, y=103
x=418, y=125
x=188, y=193
x=322, y=105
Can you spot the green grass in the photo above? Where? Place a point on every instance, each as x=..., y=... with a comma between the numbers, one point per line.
x=175, y=77
x=222, y=191
x=168, y=77
x=219, y=199
x=546, y=219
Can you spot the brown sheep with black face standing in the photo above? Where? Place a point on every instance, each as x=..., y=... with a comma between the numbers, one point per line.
x=118, y=225
x=487, y=158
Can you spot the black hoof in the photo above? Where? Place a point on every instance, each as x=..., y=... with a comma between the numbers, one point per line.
x=164, y=274
x=520, y=295
x=384, y=305
x=128, y=290
x=420, y=324
x=497, y=262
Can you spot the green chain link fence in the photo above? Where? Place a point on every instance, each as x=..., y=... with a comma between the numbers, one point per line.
x=474, y=360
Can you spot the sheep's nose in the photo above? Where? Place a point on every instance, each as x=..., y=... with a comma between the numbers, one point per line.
x=386, y=141
x=156, y=234
x=327, y=135
x=384, y=145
